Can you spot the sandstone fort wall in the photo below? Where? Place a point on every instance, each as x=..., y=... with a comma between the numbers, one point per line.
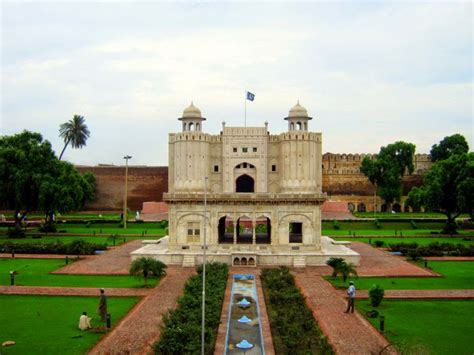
x=342, y=181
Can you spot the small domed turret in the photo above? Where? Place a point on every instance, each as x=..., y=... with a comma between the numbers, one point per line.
x=192, y=119
x=298, y=118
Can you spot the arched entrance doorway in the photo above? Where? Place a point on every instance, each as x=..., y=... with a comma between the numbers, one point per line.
x=226, y=230
x=244, y=183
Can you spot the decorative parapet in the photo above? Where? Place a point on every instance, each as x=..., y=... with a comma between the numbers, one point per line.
x=246, y=198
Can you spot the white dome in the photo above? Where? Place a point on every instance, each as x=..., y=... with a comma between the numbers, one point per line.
x=192, y=112
x=298, y=111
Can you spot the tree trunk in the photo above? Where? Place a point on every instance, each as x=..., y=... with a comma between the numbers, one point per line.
x=450, y=227
x=65, y=145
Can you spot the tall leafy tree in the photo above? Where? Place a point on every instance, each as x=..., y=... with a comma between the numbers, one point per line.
x=448, y=188
x=454, y=144
x=386, y=171
x=74, y=131
x=33, y=179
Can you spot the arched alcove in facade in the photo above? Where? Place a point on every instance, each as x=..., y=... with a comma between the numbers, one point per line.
x=245, y=183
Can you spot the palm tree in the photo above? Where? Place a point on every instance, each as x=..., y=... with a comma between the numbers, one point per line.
x=146, y=267
x=345, y=270
x=74, y=131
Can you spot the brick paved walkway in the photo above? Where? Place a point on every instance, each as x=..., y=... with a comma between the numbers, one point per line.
x=113, y=262
x=347, y=333
x=375, y=262
x=137, y=332
x=449, y=258
x=72, y=291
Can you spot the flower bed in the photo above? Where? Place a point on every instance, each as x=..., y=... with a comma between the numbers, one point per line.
x=181, y=333
x=294, y=329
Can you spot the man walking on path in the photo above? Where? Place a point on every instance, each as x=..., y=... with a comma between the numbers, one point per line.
x=102, y=309
x=351, y=292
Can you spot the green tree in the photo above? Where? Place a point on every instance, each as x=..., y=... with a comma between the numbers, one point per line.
x=33, y=179
x=25, y=161
x=74, y=131
x=146, y=267
x=449, y=188
x=386, y=171
x=454, y=144
x=346, y=270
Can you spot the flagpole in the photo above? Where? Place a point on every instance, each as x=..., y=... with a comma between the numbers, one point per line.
x=245, y=117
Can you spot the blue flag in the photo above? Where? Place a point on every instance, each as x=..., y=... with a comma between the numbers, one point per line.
x=250, y=96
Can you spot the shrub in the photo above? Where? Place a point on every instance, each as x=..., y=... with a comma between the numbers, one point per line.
x=163, y=223
x=379, y=243
x=377, y=224
x=376, y=294
x=335, y=224
x=76, y=247
x=181, y=333
x=15, y=233
x=293, y=327
x=413, y=254
x=48, y=228
x=335, y=263
x=261, y=228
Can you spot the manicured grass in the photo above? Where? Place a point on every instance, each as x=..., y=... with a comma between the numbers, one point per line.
x=404, y=215
x=457, y=275
x=434, y=327
x=49, y=324
x=36, y=272
x=391, y=226
x=419, y=240
x=132, y=228
x=67, y=239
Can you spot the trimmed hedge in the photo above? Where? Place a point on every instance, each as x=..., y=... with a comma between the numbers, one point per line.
x=76, y=247
x=433, y=249
x=181, y=333
x=294, y=329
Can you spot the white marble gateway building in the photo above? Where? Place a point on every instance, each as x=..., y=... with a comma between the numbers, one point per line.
x=255, y=196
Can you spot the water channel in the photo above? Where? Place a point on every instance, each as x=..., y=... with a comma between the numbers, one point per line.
x=244, y=330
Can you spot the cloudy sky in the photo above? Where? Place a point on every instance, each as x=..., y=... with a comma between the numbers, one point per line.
x=369, y=73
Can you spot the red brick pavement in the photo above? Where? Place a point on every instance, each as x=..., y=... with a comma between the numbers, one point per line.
x=137, y=332
x=72, y=291
x=113, y=262
x=375, y=262
x=347, y=333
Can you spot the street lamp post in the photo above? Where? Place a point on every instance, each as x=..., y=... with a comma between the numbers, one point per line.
x=126, y=190
x=203, y=324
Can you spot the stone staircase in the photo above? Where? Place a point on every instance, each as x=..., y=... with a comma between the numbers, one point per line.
x=299, y=261
x=189, y=261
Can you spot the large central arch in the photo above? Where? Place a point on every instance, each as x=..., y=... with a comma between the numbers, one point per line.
x=244, y=183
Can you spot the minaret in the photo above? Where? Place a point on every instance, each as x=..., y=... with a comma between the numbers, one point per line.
x=298, y=118
x=192, y=119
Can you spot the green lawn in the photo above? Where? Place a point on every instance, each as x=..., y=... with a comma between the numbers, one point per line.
x=68, y=239
x=132, y=228
x=427, y=327
x=419, y=240
x=49, y=324
x=404, y=215
x=457, y=275
x=36, y=272
x=386, y=232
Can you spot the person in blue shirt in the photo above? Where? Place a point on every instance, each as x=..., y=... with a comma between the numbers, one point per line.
x=351, y=292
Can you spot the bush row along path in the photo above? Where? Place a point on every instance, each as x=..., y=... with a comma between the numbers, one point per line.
x=141, y=328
